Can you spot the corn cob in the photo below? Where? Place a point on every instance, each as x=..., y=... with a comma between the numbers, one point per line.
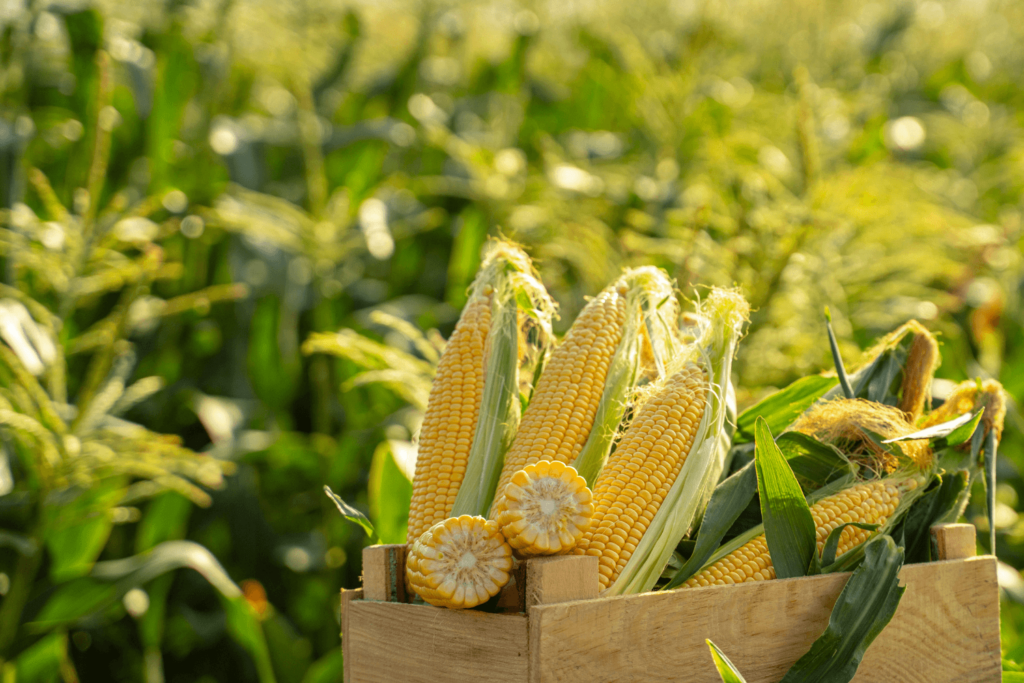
x=639, y=474
x=459, y=563
x=449, y=422
x=473, y=407
x=561, y=413
x=547, y=509
x=872, y=502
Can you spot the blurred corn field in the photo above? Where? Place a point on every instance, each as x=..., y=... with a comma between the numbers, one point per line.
x=234, y=236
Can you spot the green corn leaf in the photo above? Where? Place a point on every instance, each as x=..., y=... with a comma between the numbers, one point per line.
x=788, y=525
x=72, y=601
x=729, y=500
x=991, y=456
x=350, y=513
x=955, y=431
x=865, y=606
x=77, y=525
x=935, y=504
x=41, y=662
x=726, y=669
x=781, y=408
x=828, y=553
x=837, y=358
x=814, y=463
x=390, y=493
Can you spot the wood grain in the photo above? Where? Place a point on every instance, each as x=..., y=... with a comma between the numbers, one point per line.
x=388, y=642
x=946, y=629
x=347, y=596
x=955, y=541
x=561, y=579
x=384, y=573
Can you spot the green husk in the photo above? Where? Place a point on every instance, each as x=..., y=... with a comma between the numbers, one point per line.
x=722, y=316
x=646, y=289
x=519, y=302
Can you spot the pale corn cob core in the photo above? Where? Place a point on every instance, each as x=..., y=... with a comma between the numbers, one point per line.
x=870, y=503
x=449, y=422
x=459, y=563
x=547, y=508
x=639, y=474
x=557, y=423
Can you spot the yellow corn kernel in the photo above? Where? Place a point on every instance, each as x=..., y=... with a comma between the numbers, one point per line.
x=547, y=507
x=872, y=502
x=639, y=474
x=459, y=563
x=561, y=413
x=449, y=422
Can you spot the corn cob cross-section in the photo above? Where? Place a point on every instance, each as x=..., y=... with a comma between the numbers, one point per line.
x=641, y=471
x=547, y=509
x=459, y=563
x=872, y=502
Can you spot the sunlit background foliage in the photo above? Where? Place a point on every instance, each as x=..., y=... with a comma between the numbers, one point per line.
x=198, y=196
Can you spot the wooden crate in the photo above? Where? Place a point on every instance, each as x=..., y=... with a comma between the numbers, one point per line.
x=556, y=629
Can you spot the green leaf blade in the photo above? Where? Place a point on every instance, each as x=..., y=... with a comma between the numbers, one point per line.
x=726, y=669
x=866, y=605
x=781, y=408
x=788, y=525
x=350, y=513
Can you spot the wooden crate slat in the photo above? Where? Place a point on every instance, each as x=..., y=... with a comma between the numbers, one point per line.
x=947, y=629
x=386, y=642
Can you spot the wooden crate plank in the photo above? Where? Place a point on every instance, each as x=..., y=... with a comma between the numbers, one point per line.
x=946, y=629
x=955, y=541
x=561, y=579
x=385, y=642
x=384, y=572
x=347, y=596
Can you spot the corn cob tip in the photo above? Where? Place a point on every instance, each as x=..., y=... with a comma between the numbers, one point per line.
x=545, y=510
x=459, y=563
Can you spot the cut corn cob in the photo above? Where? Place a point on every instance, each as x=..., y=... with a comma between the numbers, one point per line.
x=459, y=563
x=561, y=413
x=872, y=502
x=449, y=422
x=639, y=474
x=547, y=509
x=473, y=408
